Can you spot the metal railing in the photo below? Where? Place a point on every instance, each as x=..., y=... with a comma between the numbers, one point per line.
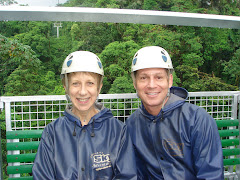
x=35, y=112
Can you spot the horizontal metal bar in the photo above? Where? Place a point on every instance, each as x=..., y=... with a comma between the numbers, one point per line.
x=82, y=14
x=108, y=96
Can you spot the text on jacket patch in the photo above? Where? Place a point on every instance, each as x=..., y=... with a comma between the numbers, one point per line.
x=175, y=149
x=100, y=161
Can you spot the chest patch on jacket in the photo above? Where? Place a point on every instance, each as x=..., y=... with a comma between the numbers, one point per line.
x=175, y=149
x=100, y=161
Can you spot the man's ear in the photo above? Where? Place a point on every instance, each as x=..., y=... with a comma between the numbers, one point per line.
x=170, y=83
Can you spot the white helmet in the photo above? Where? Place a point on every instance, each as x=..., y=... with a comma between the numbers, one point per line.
x=82, y=61
x=151, y=57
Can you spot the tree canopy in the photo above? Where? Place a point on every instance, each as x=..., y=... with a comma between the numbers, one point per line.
x=204, y=59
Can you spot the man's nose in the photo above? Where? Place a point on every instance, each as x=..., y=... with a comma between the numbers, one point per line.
x=152, y=83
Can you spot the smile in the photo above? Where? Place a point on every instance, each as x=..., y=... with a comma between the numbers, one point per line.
x=83, y=100
x=151, y=94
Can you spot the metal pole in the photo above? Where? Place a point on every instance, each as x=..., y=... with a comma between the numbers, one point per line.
x=1, y=161
x=57, y=31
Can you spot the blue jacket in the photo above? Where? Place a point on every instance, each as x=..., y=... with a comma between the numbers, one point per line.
x=100, y=150
x=182, y=142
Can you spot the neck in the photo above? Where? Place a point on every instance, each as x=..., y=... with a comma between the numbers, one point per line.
x=155, y=110
x=85, y=116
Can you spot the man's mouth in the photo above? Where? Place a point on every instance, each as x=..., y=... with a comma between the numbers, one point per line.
x=152, y=94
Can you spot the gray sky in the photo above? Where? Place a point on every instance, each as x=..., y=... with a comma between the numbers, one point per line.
x=41, y=2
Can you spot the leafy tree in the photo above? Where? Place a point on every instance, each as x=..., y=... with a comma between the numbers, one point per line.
x=48, y=82
x=122, y=85
x=11, y=28
x=232, y=69
x=38, y=38
x=120, y=53
x=117, y=59
x=94, y=36
x=107, y=4
x=59, y=49
x=114, y=71
x=184, y=6
x=193, y=80
x=81, y=3
x=217, y=47
x=206, y=53
x=224, y=7
x=13, y=54
x=22, y=82
x=58, y=90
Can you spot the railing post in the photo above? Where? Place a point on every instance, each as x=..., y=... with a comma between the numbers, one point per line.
x=9, y=128
x=1, y=160
x=237, y=116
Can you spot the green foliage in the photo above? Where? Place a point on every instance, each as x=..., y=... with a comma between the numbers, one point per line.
x=22, y=82
x=107, y=4
x=232, y=69
x=217, y=48
x=11, y=28
x=3, y=143
x=193, y=80
x=12, y=55
x=37, y=37
x=25, y=75
x=94, y=36
x=122, y=85
x=204, y=58
x=120, y=53
x=176, y=80
x=117, y=59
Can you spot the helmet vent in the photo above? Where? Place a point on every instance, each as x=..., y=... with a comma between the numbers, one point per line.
x=134, y=61
x=100, y=64
x=164, y=58
x=136, y=55
x=69, y=63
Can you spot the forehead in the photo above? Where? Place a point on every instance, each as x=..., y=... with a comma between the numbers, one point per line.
x=81, y=75
x=152, y=71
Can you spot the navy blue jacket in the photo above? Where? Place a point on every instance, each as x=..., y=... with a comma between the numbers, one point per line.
x=100, y=150
x=182, y=142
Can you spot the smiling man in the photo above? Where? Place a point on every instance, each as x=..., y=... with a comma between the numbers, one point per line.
x=173, y=139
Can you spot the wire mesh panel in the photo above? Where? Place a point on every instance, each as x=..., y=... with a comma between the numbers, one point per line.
x=35, y=112
x=220, y=105
x=121, y=105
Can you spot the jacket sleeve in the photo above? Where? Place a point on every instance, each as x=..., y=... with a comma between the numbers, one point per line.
x=125, y=166
x=43, y=167
x=207, y=148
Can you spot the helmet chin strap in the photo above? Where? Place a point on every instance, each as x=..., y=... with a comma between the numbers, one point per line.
x=168, y=94
x=66, y=90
